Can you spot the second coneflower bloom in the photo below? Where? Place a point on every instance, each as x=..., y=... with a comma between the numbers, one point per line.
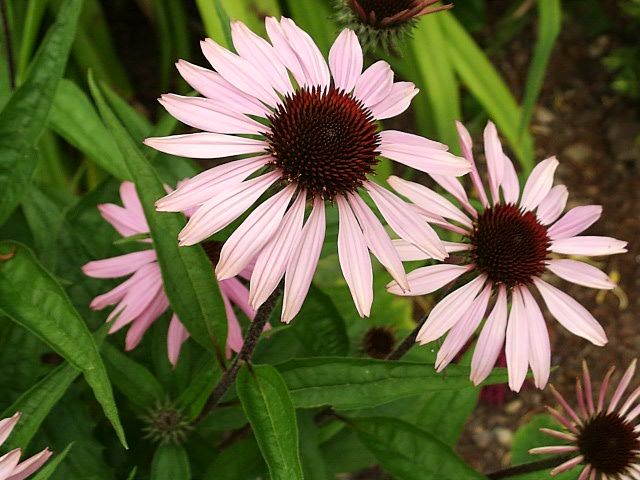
x=505, y=248
x=309, y=141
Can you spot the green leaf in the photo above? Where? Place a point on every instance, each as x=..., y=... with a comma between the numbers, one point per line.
x=50, y=467
x=409, y=453
x=265, y=400
x=316, y=22
x=485, y=84
x=74, y=118
x=226, y=465
x=314, y=465
x=24, y=117
x=549, y=23
x=32, y=25
x=194, y=397
x=31, y=297
x=170, y=462
x=348, y=383
x=186, y=271
x=132, y=379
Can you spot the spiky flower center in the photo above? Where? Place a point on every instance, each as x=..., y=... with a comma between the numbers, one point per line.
x=510, y=245
x=166, y=424
x=324, y=140
x=378, y=342
x=609, y=443
x=384, y=8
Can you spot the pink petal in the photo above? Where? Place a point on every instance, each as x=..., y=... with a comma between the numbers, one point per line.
x=539, y=183
x=429, y=279
x=113, y=296
x=462, y=331
x=240, y=72
x=125, y=222
x=119, y=266
x=378, y=240
x=234, y=332
x=491, y=339
x=308, y=53
x=354, y=258
x=215, y=86
x=131, y=202
x=29, y=466
x=466, y=146
x=374, y=84
x=256, y=230
x=262, y=56
x=622, y=386
x=429, y=200
x=406, y=223
x=419, y=153
x=238, y=294
x=8, y=462
x=396, y=102
x=199, y=189
x=145, y=319
x=568, y=465
x=553, y=449
x=589, y=246
x=510, y=183
x=6, y=426
x=553, y=205
x=284, y=51
x=561, y=435
x=224, y=207
x=449, y=310
x=517, y=342
x=495, y=159
x=573, y=316
x=176, y=336
x=539, y=347
x=407, y=251
x=345, y=60
x=272, y=260
x=302, y=263
x=206, y=145
x=455, y=188
x=203, y=113
x=575, y=221
x=580, y=273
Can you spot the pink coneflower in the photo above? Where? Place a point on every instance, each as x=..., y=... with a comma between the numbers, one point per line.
x=141, y=299
x=505, y=248
x=10, y=469
x=606, y=440
x=316, y=140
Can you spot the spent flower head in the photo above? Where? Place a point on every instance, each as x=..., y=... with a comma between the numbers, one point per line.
x=505, y=248
x=317, y=141
x=10, y=466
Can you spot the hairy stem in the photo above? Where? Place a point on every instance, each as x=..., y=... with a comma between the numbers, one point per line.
x=409, y=341
x=528, y=467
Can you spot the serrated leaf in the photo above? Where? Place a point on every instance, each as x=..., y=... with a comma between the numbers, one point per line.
x=348, y=383
x=186, y=271
x=25, y=115
x=409, y=453
x=170, y=462
x=30, y=296
x=266, y=402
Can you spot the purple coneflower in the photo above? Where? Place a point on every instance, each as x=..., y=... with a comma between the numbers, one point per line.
x=505, y=249
x=605, y=440
x=308, y=141
x=141, y=299
x=10, y=469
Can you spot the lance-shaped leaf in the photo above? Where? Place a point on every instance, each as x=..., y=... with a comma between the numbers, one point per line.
x=30, y=296
x=170, y=462
x=265, y=400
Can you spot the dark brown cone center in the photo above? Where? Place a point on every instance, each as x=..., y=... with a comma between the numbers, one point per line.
x=609, y=443
x=385, y=8
x=510, y=245
x=378, y=342
x=324, y=140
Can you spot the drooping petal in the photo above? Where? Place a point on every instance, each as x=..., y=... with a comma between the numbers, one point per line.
x=429, y=279
x=308, y=53
x=345, y=60
x=234, y=332
x=302, y=263
x=580, y=273
x=539, y=346
x=199, y=189
x=374, y=84
x=396, y=102
x=573, y=316
x=517, y=342
x=539, y=183
x=119, y=266
x=466, y=146
x=131, y=202
x=419, y=153
x=589, y=246
x=354, y=258
x=29, y=466
x=553, y=205
x=491, y=339
x=249, y=238
x=206, y=145
x=8, y=462
x=224, y=208
x=113, y=296
x=406, y=223
x=7, y=425
x=176, y=336
x=449, y=310
x=203, y=113
x=495, y=160
x=238, y=294
x=145, y=319
x=272, y=260
x=378, y=240
x=575, y=221
x=125, y=222
x=510, y=185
